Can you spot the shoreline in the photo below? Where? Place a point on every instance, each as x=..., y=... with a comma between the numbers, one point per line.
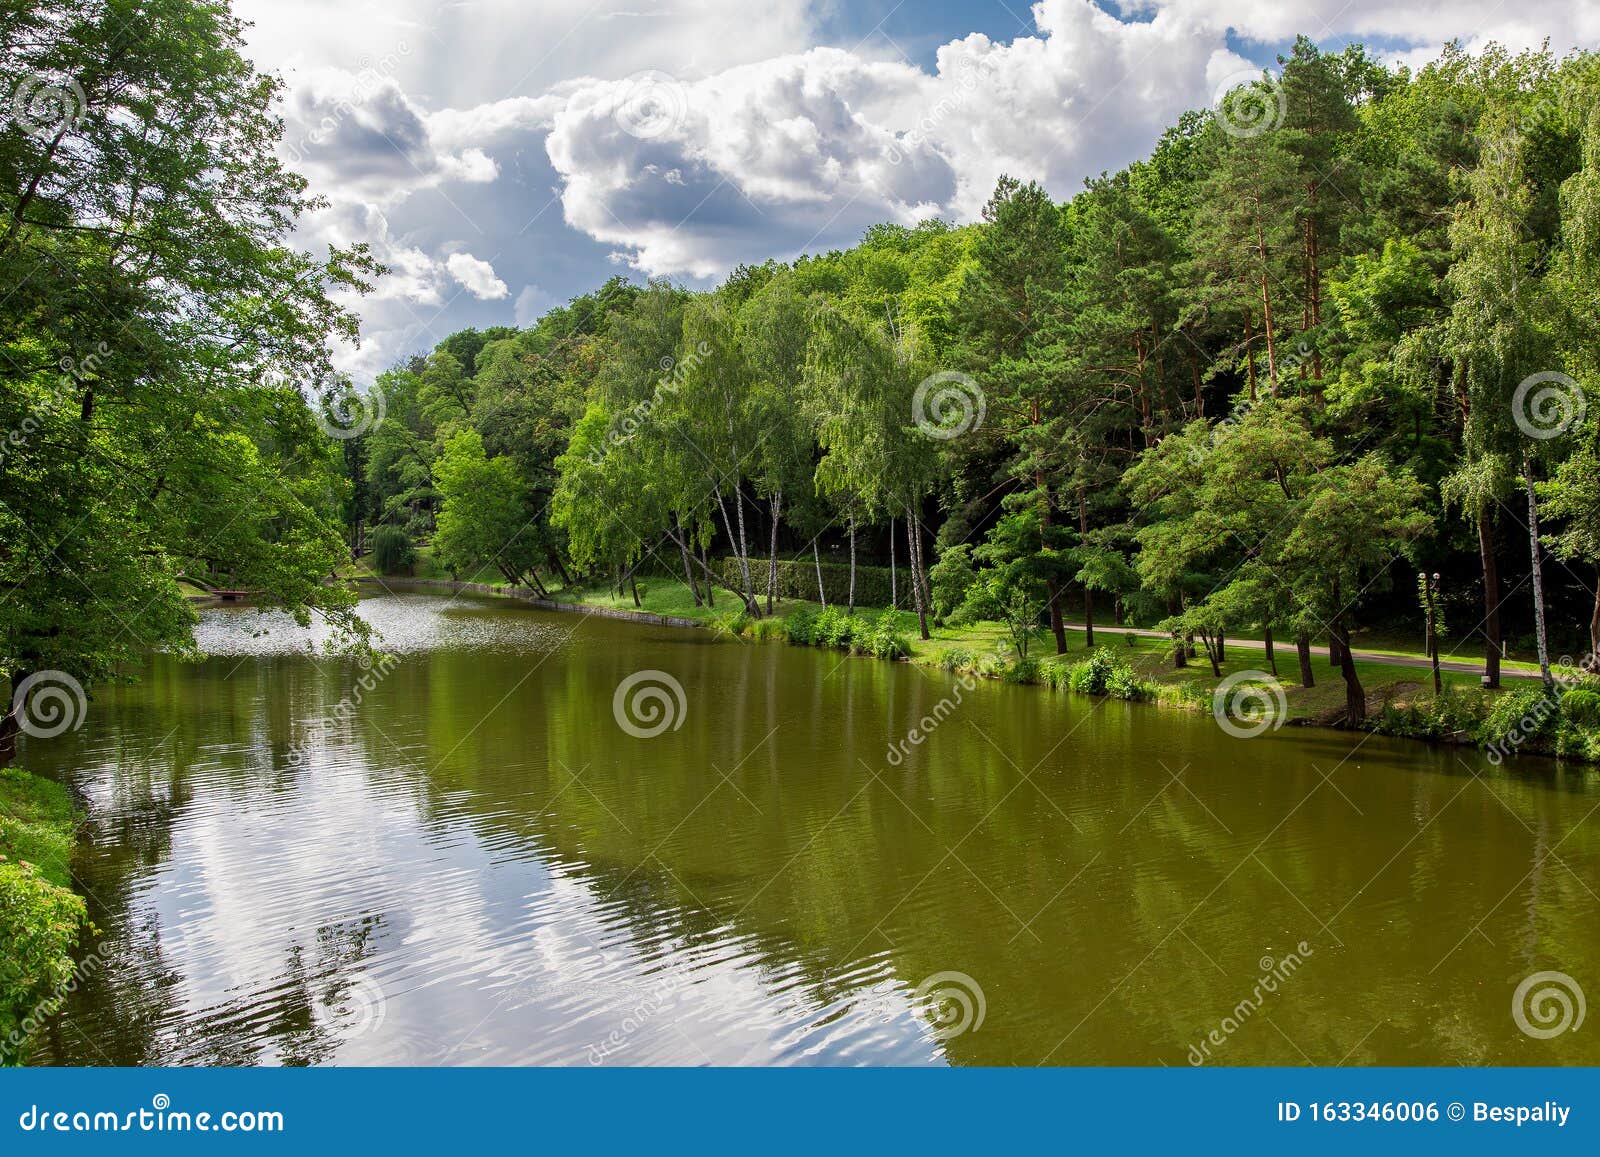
x=1177, y=702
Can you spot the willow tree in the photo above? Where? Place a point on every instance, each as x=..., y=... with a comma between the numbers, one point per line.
x=1499, y=340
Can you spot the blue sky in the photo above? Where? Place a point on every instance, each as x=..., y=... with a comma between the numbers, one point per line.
x=503, y=156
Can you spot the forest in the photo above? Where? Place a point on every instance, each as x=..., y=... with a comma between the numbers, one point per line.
x=1337, y=332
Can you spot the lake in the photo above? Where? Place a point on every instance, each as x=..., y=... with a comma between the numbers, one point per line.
x=462, y=857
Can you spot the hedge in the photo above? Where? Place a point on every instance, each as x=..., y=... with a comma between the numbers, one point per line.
x=797, y=579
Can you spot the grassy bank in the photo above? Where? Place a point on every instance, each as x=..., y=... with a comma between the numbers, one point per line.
x=41, y=918
x=1398, y=683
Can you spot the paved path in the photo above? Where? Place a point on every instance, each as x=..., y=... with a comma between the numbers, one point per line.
x=1456, y=665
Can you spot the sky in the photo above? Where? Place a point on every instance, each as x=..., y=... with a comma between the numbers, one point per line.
x=502, y=157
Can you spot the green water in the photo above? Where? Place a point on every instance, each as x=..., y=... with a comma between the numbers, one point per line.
x=468, y=861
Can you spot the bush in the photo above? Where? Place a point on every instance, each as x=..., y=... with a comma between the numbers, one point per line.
x=957, y=659
x=392, y=550
x=40, y=919
x=797, y=579
x=1022, y=671
x=801, y=627
x=1102, y=673
x=835, y=628
x=1090, y=676
x=1123, y=683
x=1581, y=706
x=883, y=638
x=763, y=629
x=1528, y=711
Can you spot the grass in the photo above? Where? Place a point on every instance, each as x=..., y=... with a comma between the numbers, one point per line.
x=38, y=823
x=1151, y=658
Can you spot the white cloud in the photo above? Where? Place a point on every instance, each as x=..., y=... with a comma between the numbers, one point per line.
x=476, y=276
x=684, y=139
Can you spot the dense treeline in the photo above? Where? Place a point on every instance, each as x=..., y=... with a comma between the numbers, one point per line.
x=1337, y=331
x=154, y=321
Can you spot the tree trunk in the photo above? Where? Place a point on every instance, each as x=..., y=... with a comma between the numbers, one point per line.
x=1333, y=651
x=688, y=567
x=744, y=553
x=11, y=724
x=816, y=557
x=1088, y=595
x=913, y=549
x=1272, y=654
x=633, y=585
x=922, y=580
x=1302, y=647
x=1491, y=600
x=1180, y=653
x=1594, y=629
x=1058, y=628
x=1540, y=636
x=1266, y=312
x=1222, y=653
x=745, y=591
x=772, y=556
x=705, y=566
x=1355, y=697
x=894, y=577
x=852, y=607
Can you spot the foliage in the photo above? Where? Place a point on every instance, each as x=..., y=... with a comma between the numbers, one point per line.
x=41, y=919
x=1105, y=673
x=797, y=579
x=392, y=550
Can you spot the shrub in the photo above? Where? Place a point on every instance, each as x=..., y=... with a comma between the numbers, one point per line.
x=40, y=919
x=765, y=629
x=883, y=638
x=797, y=579
x=1123, y=683
x=835, y=628
x=1102, y=673
x=1090, y=676
x=392, y=550
x=1582, y=707
x=1022, y=671
x=801, y=627
x=1526, y=711
x=735, y=622
x=957, y=659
